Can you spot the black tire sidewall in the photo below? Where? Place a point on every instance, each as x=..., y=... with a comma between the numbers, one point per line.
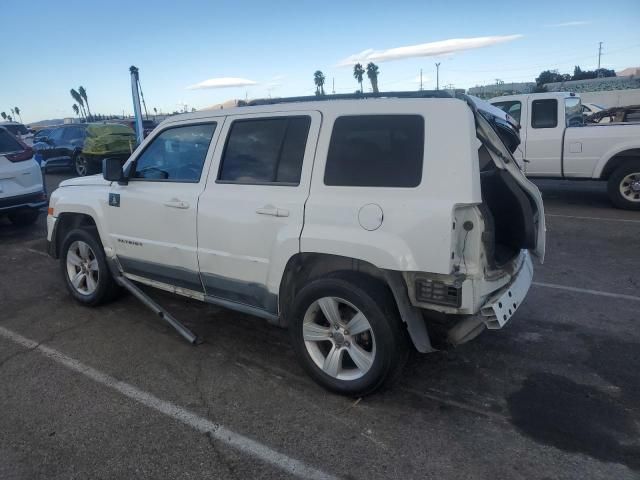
x=105, y=280
x=613, y=185
x=368, y=301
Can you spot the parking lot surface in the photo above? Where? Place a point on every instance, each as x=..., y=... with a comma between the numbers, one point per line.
x=114, y=393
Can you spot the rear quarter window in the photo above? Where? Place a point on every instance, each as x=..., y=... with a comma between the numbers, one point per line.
x=8, y=143
x=376, y=151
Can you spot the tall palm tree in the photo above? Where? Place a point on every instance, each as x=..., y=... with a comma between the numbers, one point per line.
x=83, y=94
x=17, y=110
x=372, y=73
x=3, y=115
x=76, y=109
x=318, y=79
x=358, y=73
x=76, y=96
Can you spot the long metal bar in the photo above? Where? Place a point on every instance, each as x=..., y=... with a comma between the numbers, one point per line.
x=136, y=104
x=187, y=334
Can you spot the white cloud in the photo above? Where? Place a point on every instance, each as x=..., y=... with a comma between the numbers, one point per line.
x=222, y=82
x=431, y=49
x=575, y=23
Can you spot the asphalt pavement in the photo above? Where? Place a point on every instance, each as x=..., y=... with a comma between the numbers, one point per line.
x=112, y=392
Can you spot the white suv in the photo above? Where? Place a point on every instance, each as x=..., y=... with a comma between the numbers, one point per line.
x=22, y=192
x=360, y=224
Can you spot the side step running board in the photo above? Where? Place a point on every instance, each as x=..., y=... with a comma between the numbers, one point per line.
x=187, y=334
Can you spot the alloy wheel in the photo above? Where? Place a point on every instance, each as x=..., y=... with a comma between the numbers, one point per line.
x=81, y=166
x=82, y=268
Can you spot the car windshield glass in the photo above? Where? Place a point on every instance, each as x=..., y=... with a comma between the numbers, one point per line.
x=8, y=144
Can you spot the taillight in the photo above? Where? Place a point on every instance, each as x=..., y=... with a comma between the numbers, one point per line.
x=26, y=154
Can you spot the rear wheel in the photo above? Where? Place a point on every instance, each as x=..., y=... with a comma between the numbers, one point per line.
x=347, y=333
x=85, y=270
x=24, y=218
x=624, y=186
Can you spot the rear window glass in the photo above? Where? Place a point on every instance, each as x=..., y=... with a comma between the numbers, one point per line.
x=8, y=143
x=544, y=113
x=17, y=129
x=376, y=151
x=513, y=108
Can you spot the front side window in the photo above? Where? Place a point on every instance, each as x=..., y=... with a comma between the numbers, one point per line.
x=544, y=113
x=376, y=151
x=573, y=112
x=513, y=108
x=73, y=133
x=265, y=150
x=56, y=134
x=177, y=154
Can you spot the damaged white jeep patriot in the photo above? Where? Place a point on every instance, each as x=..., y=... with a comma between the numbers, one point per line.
x=363, y=225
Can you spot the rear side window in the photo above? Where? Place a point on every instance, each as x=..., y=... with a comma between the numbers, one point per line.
x=265, y=150
x=376, y=151
x=8, y=143
x=544, y=113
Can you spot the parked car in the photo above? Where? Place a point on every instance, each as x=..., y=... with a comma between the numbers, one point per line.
x=19, y=131
x=40, y=134
x=147, y=125
x=22, y=191
x=557, y=143
x=364, y=226
x=65, y=146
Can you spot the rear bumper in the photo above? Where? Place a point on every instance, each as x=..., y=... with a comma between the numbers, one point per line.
x=20, y=202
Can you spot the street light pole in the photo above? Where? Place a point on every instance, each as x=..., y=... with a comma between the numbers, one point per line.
x=438, y=76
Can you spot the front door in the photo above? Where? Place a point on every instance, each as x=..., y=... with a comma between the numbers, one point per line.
x=543, y=144
x=252, y=211
x=152, y=219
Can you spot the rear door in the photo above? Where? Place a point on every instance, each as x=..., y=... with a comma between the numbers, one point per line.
x=251, y=213
x=543, y=144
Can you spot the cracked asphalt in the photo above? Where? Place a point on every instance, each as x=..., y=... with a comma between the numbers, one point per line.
x=553, y=395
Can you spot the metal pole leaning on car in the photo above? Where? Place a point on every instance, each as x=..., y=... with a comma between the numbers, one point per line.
x=136, y=103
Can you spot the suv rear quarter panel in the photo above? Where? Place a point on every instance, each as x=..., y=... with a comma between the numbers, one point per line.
x=416, y=230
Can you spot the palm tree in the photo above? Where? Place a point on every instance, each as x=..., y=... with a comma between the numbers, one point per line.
x=155, y=113
x=3, y=115
x=372, y=73
x=358, y=73
x=17, y=110
x=83, y=94
x=318, y=79
x=76, y=109
x=76, y=96
x=12, y=111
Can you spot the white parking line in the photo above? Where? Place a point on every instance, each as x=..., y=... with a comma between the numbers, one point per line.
x=216, y=431
x=592, y=218
x=588, y=291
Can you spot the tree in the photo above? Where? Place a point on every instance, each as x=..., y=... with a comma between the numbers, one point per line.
x=318, y=79
x=76, y=96
x=83, y=94
x=76, y=109
x=372, y=73
x=155, y=113
x=358, y=73
x=17, y=110
x=3, y=115
x=549, y=76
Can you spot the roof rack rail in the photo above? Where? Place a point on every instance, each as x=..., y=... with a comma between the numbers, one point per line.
x=346, y=96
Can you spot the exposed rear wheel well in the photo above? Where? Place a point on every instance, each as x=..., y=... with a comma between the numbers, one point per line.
x=70, y=221
x=619, y=159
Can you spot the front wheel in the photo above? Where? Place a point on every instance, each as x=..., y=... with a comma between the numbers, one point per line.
x=81, y=165
x=624, y=186
x=347, y=333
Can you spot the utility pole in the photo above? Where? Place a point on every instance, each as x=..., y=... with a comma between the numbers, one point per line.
x=438, y=76
x=420, y=79
x=599, y=55
x=333, y=82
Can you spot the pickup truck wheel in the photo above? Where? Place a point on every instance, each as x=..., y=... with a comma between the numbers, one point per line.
x=85, y=270
x=347, y=333
x=624, y=186
x=24, y=218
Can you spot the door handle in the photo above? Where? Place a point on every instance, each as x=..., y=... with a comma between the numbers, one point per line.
x=273, y=211
x=174, y=203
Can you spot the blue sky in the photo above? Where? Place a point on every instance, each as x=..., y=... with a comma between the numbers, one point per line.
x=50, y=47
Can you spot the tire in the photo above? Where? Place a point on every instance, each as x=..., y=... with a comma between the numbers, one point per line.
x=24, y=218
x=623, y=186
x=81, y=166
x=97, y=286
x=385, y=343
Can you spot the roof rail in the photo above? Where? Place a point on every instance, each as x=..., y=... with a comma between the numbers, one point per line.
x=346, y=96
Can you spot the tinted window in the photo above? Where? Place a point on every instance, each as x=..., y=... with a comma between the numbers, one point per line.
x=73, y=133
x=267, y=150
x=8, y=143
x=177, y=154
x=56, y=134
x=513, y=108
x=17, y=129
x=544, y=113
x=376, y=151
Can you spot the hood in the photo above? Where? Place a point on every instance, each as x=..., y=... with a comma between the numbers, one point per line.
x=91, y=180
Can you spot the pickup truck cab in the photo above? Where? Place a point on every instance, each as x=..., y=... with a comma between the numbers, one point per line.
x=556, y=143
x=363, y=225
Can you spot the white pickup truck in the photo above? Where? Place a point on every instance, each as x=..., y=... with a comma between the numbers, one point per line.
x=556, y=143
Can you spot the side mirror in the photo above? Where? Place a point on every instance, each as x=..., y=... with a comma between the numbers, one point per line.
x=112, y=170
x=43, y=139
